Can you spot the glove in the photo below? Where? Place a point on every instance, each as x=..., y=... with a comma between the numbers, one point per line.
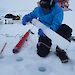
x=40, y=32
x=24, y=20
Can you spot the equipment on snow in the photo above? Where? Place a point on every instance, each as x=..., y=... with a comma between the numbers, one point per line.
x=3, y=48
x=4, y=20
x=21, y=42
x=1, y=51
x=13, y=17
x=8, y=21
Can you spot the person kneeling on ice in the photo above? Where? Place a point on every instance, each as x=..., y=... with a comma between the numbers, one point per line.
x=51, y=15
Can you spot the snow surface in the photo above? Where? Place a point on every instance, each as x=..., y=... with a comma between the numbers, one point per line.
x=30, y=62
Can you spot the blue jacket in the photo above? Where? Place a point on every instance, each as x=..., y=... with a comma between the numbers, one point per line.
x=52, y=18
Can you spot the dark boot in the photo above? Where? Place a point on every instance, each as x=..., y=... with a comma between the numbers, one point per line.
x=43, y=46
x=62, y=55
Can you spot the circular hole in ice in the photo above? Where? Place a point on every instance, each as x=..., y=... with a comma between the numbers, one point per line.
x=42, y=69
x=19, y=59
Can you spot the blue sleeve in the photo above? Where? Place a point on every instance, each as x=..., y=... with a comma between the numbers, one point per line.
x=29, y=17
x=57, y=20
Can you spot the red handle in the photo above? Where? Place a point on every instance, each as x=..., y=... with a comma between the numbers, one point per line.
x=23, y=39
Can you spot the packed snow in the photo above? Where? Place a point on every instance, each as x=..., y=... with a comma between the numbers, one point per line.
x=27, y=62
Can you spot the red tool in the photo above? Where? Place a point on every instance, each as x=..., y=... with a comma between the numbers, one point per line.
x=21, y=42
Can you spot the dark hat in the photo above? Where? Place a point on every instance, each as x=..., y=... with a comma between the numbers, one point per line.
x=46, y=3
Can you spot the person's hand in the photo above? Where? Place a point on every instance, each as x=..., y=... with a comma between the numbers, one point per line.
x=24, y=20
